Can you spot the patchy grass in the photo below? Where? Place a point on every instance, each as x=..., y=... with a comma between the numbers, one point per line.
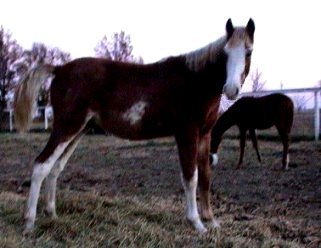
x=117, y=193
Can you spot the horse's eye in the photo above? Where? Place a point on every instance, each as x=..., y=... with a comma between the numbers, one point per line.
x=248, y=53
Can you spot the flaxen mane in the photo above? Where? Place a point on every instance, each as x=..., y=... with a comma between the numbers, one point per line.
x=196, y=60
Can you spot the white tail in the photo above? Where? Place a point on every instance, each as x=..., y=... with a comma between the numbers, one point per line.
x=26, y=94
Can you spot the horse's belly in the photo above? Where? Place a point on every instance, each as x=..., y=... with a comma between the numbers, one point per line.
x=136, y=128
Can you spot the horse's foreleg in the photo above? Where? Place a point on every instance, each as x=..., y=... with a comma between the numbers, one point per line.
x=187, y=150
x=242, y=146
x=204, y=175
x=43, y=165
x=51, y=180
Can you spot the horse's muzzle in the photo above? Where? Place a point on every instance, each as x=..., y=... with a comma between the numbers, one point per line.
x=231, y=91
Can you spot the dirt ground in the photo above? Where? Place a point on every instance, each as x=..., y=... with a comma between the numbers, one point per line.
x=258, y=202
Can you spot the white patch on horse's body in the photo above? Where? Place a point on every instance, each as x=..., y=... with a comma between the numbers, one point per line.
x=190, y=193
x=135, y=113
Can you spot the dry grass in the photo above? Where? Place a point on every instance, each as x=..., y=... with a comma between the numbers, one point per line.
x=116, y=193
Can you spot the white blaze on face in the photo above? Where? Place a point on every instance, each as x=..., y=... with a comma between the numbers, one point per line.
x=234, y=68
x=135, y=113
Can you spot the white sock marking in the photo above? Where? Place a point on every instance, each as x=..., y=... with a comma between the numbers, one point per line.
x=214, y=159
x=40, y=171
x=191, y=204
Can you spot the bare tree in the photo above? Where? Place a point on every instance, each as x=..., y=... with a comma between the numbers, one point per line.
x=10, y=53
x=118, y=48
x=257, y=83
x=300, y=102
x=40, y=53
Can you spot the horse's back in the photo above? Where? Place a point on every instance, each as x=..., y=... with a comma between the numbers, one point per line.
x=283, y=101
x=264, y=112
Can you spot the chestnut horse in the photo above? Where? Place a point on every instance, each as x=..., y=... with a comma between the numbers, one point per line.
x=178, y=96
x=250, y=113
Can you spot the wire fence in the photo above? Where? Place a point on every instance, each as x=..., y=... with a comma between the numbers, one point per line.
x=306, y=123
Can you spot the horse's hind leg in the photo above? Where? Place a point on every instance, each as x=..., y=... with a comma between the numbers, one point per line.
x=51, y=180
x=285, y=141
x=60, y=138
x=242, y=146
x=43, y=165
x=255, y=144
x=187, y=149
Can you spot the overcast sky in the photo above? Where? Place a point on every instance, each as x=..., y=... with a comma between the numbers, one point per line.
x=287, y=41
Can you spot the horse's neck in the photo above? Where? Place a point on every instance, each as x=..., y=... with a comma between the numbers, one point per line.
x=212, y=77
x=226, y=120
x=223, y=123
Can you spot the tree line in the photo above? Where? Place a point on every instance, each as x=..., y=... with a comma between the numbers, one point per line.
x=15, y=61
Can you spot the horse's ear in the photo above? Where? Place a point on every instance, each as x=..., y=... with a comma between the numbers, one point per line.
x=229, y=28
x=250, y=28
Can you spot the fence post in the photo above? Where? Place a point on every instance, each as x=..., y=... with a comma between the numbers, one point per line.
x=316, y=115
x=10, y=120
x=46, y=118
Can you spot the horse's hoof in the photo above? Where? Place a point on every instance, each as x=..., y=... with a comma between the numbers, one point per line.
x=215, y=224
x=199, y=226
x=27, y=231
x=202, y=230
x=51, y=213
x=29, y=226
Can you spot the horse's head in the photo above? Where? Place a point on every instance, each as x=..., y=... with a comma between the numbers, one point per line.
x=238, y=49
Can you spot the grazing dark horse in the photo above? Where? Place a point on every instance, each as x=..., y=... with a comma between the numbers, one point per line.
x=250, y=113
x=178, y=96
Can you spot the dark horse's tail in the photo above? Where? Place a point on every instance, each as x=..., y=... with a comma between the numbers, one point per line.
x=26, y=94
